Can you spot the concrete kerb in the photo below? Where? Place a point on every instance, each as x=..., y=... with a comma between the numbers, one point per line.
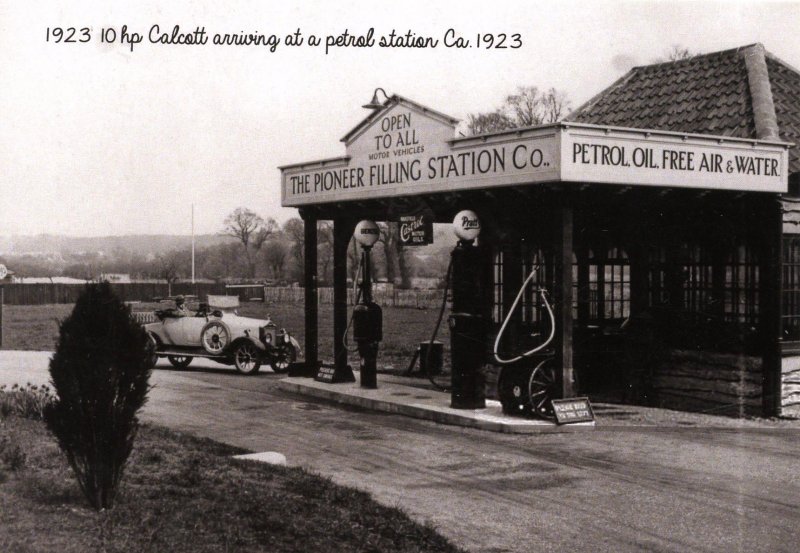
x=396, y=397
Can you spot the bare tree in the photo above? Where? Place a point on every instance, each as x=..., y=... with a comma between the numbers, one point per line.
x=528, y=107
x=675, y=53
x=275, y=254
x=294, y=229
x=168, y=270
x=399, y=261
x=353, y=259
x=488, y=122
x=325, y=250
x=251, y=231
x=555, y=105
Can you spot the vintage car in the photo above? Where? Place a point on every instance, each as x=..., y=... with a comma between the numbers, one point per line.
x=216, y=331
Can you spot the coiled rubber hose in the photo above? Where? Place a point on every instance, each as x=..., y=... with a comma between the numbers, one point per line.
x=540, y=347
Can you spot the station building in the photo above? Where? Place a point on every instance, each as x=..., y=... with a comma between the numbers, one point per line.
x=663, y=216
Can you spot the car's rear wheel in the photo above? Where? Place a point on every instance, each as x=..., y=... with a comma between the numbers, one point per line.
x=153, y=345
x=281, y=357
x=179, y=361
x=215, y=337
x=247, y=358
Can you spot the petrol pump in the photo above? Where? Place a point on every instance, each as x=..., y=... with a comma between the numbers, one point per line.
x=526, y=383
x=367, y=316
x=467, y=321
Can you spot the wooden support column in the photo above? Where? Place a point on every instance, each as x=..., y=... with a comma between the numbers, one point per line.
x=342, y=232
x=310, y=289
x=770, y=310
x=637, y=258
x=718, y=259
x=563, y=296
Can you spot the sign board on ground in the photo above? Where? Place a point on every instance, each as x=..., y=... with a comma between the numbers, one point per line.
x=409, y=150
x=326, y=373
x=329, y=374
x=571, y=410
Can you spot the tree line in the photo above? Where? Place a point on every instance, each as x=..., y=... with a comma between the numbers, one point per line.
x=258, y=249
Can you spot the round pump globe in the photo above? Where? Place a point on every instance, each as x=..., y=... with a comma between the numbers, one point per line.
x=466, y=225
x=367, y=233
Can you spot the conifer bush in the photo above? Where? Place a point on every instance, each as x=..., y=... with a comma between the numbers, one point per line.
x=100, y=374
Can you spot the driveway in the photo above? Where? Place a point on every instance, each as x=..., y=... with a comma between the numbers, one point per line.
x=617, y=488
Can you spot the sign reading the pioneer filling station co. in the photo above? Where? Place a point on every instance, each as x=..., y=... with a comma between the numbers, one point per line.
x=406, y=150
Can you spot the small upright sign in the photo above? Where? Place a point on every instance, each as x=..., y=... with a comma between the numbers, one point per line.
x=571, y=410
x=329, y=374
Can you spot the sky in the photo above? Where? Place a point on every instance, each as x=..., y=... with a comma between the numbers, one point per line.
x=110, y=138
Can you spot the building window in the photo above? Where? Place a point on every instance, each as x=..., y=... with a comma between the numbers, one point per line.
x=791, y=287
x=740, y=294
x=533, y=309
x=657, y=290
x=609, y=286
x=698, y=290
x=617, y=279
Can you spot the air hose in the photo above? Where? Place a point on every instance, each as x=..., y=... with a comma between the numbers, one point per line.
x=350, y=321
x=540, y=347
x=435, y=332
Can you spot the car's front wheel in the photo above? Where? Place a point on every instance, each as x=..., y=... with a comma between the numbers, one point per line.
x=247, y=358
x=282, y=356
x=179, y=361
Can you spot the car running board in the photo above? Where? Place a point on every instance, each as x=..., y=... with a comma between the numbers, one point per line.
x=187, y=354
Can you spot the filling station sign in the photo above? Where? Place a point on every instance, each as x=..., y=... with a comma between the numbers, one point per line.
x=406, y=149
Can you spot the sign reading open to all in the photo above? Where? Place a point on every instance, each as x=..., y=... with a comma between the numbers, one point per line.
x=408, y=150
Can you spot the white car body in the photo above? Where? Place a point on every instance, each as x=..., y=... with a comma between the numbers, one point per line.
x=224, y=336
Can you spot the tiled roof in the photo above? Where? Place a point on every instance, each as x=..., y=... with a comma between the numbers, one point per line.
x=708, y=94
x=785, y=82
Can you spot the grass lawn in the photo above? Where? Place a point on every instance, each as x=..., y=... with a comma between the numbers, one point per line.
x=183, y=494
x=35, y=327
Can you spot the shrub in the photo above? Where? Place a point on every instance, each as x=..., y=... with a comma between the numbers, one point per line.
x=100, y=373
x=11, y=454
x=29, y=401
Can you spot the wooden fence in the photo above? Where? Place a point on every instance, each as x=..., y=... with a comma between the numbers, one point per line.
x=41, y=294
x=420, y=299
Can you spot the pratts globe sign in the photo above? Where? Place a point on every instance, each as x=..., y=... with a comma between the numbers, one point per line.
x=466, y=225
x=406, y=149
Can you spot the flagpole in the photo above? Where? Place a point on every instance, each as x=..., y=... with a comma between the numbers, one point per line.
x=193, y=244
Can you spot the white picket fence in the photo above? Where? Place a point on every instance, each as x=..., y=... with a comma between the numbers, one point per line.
x=395, y=298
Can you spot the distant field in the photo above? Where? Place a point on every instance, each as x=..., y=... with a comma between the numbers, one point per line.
x=35, y=327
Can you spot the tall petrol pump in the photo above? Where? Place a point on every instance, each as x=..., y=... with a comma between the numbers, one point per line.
x=467, y=321
x=367, y=315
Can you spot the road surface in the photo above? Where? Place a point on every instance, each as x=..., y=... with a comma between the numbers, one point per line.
x=614, y=489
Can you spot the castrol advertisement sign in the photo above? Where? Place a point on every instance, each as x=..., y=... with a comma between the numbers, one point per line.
x=415, y=230
x=407, y=150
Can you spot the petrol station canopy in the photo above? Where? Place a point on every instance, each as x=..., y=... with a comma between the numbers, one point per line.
x=720, y=121
x=405, y=149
